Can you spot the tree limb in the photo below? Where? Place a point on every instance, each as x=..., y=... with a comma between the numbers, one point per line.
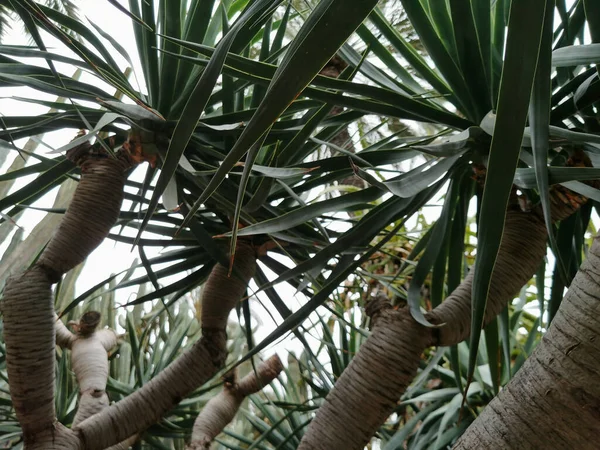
x=554, y=399
x=28, y=304
x=193, y=368
x=368, y=390
x=221, y=410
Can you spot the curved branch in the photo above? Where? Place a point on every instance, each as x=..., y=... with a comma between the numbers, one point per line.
x=93, y=211
x=367, y=392
x=193, y=368
x=28, y=304
x=89, y=361
x=221, y=410
x=369, y=388
x=521, y=251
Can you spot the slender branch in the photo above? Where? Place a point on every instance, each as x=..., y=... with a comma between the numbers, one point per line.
x=221, y=410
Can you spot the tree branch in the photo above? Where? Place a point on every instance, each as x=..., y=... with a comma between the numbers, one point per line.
x=221, y=410
x=367, y=392
x=554, y=399
x=28, y=305
x=524, y=240
x=197, y=365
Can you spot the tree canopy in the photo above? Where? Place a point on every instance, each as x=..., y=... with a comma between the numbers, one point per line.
x=320, y=134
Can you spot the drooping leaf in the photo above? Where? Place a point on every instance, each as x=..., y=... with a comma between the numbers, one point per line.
x=522, y=50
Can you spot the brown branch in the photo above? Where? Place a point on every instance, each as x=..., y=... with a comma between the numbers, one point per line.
x=522, y=249
x=28, y=303
x=92, y=213
x=221, y=410
x=29, y=336
x=30, y=325
x=367, y=392
x=369, y=388
x=193, y=368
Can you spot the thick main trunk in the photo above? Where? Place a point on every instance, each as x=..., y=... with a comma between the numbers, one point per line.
x=367, y=392
x=28, y=311
x=554, y=400
x=28, y=305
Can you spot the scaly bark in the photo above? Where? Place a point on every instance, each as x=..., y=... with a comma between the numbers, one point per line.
x=29, y=335
x=221, y=410
x=524, y=240
x=92, y=213
x=554, y=399
x=196, y=366
x=30, y=324
x=367, y=392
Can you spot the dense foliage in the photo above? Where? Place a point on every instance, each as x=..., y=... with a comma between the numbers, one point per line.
x=332, y=164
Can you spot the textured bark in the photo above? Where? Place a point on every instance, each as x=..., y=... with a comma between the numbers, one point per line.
x=554, y=399
x=30, y=327
x=25, y=253
x=523, y=247
x=369, y=388
x=92, y=213
x=89, y=361
x=196, y=366
x=367, y=392
x=221, y=410
x=58, y=437
x=28, y=305
x=29, y=336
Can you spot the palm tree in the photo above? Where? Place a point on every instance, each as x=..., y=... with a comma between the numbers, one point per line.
x=236, y=129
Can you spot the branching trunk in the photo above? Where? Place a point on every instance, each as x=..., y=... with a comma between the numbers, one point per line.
x=89, y=361
x=560, y=375
x=192, y=369
x=554, y=399
x=28, y=304
x=368, y=390
x=29, y=326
